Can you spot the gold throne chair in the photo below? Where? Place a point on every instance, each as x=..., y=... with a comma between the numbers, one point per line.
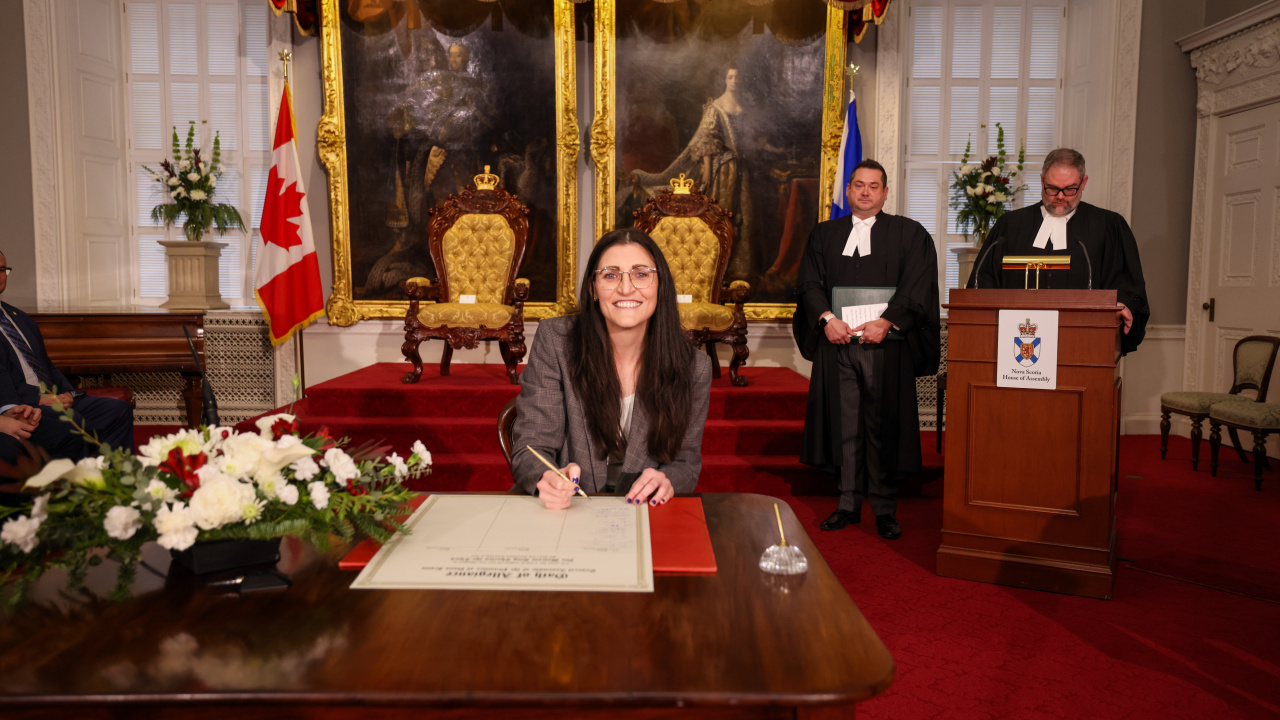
x=696, y=236
x=477, y=241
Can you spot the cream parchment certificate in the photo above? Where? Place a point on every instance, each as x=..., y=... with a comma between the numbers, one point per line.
x=512, y=542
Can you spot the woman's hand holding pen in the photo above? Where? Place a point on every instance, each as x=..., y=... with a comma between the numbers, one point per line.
x=652, y=486
x=554, y=491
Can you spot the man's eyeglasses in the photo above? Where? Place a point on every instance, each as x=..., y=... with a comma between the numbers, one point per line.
x=641, y=277
x=1050, y=191
x=5, y=269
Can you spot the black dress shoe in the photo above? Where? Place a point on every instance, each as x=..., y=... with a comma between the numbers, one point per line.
x=840, y=519
x=888, y=528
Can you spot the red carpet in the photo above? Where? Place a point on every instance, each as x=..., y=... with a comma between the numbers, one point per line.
x=1193, y=631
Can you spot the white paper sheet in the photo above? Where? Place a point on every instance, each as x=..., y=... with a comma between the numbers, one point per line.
x=855, y=315
x=512, y=542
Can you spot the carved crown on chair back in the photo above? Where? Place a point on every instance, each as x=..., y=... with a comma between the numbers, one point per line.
x=477, y=242
x=696, y=236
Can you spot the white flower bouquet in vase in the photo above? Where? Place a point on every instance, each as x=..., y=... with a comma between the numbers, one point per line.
x=982, y=192
x=190, y=180
x=198, y=486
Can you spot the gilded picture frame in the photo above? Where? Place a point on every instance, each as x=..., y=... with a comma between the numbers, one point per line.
x=605, y=129
x=344, y=307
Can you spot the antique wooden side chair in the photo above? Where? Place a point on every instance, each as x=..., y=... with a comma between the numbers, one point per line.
x=477, y=242
x=1258, y=418
x=696, y=236
x=1253, y=360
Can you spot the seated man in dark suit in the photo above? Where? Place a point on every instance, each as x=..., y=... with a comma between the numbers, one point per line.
x=24, y=365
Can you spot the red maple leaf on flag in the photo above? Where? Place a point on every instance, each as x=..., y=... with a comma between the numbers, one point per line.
x=282, y=205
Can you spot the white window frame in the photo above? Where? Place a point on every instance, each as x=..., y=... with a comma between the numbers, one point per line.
x=251, y=165
x=945, y=161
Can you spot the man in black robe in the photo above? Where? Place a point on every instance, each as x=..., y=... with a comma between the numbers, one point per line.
x=1103, y=253
x=862, y=422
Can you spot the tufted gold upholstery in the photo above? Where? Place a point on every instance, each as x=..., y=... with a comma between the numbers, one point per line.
x=452, y=314
x=695, y=235
x=692, y=251
x=705, y=315
x=477, y=240
x=477, y=258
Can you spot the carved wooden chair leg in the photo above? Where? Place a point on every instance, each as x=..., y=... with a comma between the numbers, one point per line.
x=517, y=354
x=445, y=358
x=1164, y=432
x=505, y=348
x=710, y=346
x=740, y=353
x=1215, y=444
x=410, y=350
x=1196, y=434
x=1259, y=457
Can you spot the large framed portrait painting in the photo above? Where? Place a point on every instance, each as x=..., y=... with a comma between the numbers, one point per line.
x=420, y=96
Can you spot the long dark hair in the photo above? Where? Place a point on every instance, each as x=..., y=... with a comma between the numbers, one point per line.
x=664, y=386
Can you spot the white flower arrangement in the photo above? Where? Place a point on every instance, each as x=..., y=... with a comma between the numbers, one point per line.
x=190, y=181
x=980, y=190
x=195, y=485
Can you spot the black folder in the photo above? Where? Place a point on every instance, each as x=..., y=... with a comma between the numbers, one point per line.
x=842, y=297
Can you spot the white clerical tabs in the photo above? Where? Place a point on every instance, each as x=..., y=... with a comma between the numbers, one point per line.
x=512, y=542
x=1027, y=349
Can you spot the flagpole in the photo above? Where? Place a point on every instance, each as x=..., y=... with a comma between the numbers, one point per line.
x=286, y=55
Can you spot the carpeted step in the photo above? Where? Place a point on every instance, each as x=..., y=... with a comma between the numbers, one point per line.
x=752, y=437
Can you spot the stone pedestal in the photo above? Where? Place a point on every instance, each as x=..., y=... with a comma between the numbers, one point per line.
x=193, y=275
x=966, y=255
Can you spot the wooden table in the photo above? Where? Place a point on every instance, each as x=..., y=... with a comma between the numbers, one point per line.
x=133, y=339
x=738, y=644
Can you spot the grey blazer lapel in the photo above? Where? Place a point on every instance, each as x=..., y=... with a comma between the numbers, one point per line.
x=637, y=443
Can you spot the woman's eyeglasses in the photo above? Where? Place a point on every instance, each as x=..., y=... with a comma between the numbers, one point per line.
x=641, y=277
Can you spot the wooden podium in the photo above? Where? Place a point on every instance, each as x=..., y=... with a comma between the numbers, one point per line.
x=1029, y=489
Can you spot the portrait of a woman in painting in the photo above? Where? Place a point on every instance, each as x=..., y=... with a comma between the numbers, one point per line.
x=435, y=91
x=730, y=95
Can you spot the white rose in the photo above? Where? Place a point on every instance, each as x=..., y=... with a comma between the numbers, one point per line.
x=176, y=526
x=122, y=522
x=998, y=169
x=40, y=508
x=184, y=165
x=198, y=195
x=424, y=456
x=397, y=462
x=319, y=495
x=193, y=176
x=305, y=469
x=21, y=531
x=289, y=494
x=341, y=464
x=173, y=182
x=221, y=500
x=241, y=453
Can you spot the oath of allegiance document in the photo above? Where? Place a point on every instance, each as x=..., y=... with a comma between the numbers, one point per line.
x=512, y=542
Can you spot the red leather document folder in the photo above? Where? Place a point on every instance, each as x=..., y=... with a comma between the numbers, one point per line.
x=679, y=537
x=677, y=533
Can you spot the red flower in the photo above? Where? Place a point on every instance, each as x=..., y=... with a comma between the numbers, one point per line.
x=323, y=432
x=184, y=467
x=283, y=427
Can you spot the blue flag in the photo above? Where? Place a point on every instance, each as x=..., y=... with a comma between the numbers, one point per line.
x=850, y=156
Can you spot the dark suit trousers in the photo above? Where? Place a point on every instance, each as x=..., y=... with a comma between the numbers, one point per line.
x=108, y=418
x=862, y=471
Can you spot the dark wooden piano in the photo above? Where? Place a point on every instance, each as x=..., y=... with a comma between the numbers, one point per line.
x=134, y=339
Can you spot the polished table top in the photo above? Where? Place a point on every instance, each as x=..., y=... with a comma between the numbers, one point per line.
x=740, y=637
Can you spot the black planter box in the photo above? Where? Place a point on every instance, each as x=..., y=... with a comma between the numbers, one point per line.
x=222, y=555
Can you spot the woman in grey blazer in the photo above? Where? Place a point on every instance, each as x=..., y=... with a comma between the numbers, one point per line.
x=615, y=396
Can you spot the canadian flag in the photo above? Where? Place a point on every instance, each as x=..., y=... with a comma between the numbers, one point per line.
x=287, y=281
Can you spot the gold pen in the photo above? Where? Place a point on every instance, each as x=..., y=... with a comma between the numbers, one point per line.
x=577, y=490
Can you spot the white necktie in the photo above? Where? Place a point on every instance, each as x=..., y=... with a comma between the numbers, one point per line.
x=1052, y=230
x=859, y=238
